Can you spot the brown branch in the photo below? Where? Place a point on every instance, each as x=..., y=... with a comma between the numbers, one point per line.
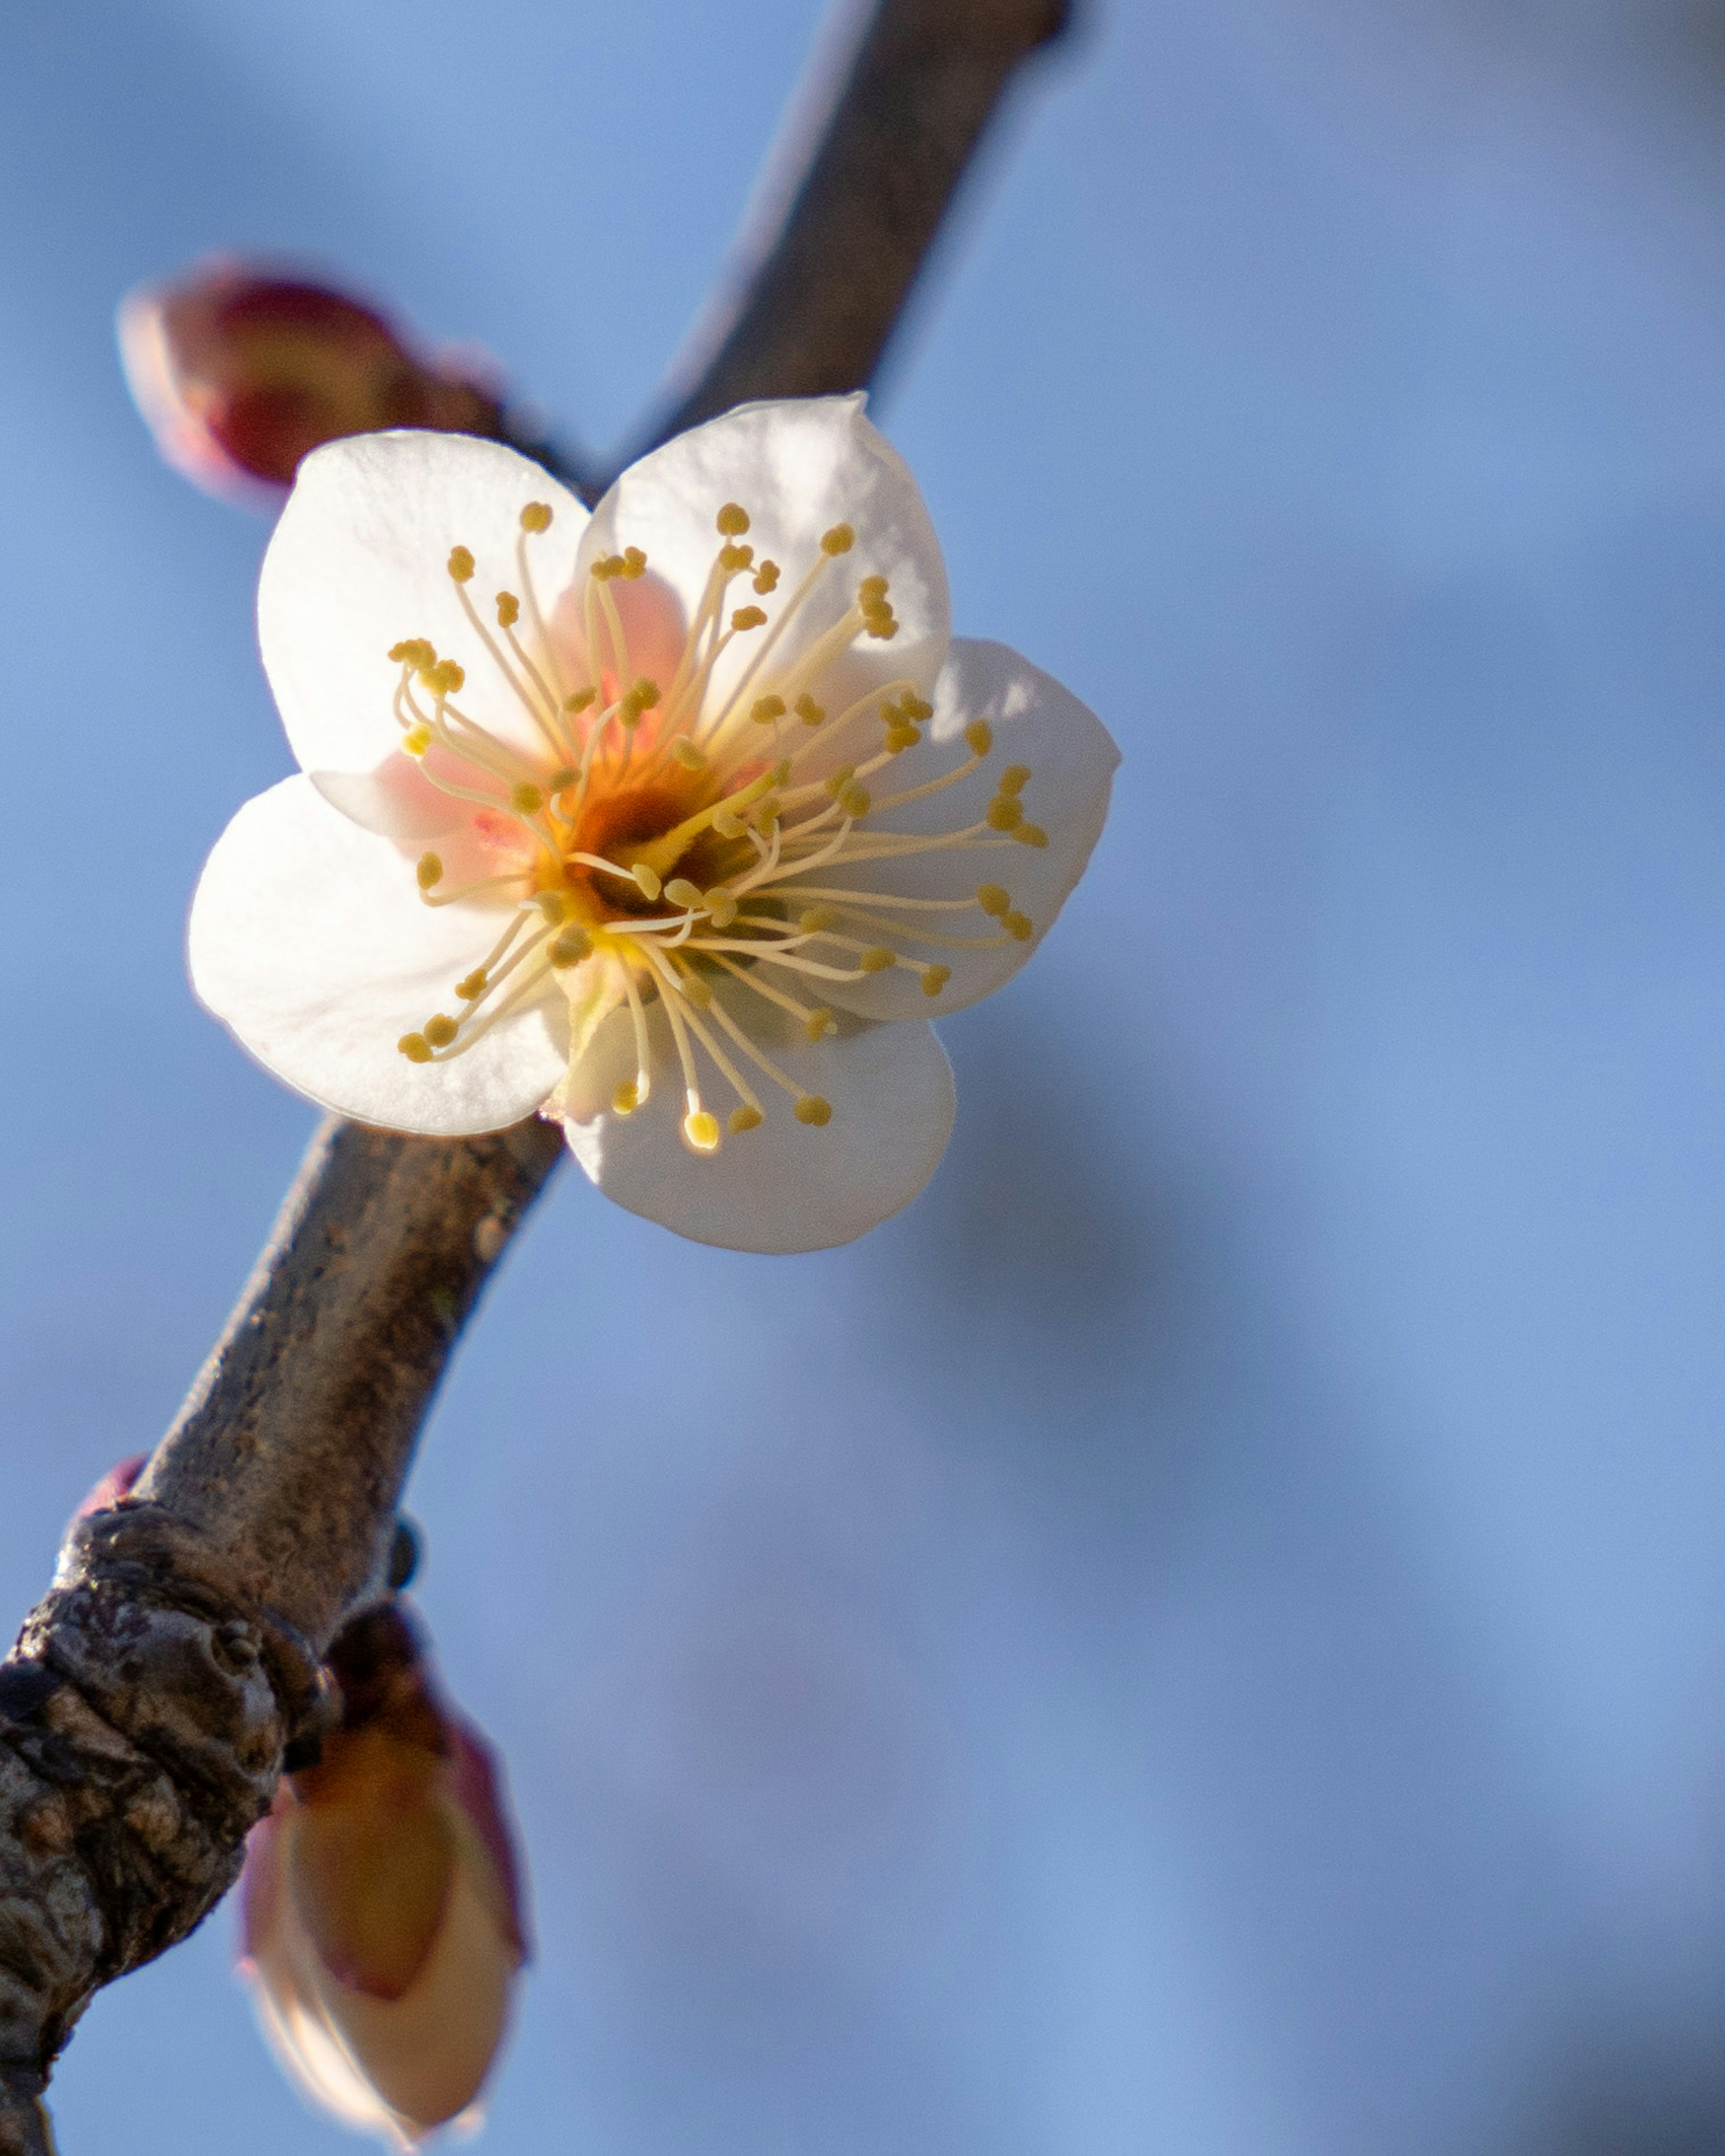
x=145, y=1709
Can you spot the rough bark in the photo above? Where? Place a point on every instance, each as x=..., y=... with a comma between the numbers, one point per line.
x=146, y=1706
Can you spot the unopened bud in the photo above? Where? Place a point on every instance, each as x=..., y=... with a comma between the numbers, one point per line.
x=240, y=373
x=381, y=1899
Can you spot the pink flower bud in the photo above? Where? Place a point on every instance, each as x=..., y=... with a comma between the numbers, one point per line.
x=381, y=1904
x=240, y=373
x=117, y=1484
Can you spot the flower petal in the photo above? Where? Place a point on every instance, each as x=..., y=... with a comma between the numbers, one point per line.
x=799, y=467
x=358, y=562
x=309, y=941
x=1071, y=757
x=785, y=1186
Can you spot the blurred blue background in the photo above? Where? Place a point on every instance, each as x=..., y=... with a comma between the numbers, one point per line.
x=1206, y=1636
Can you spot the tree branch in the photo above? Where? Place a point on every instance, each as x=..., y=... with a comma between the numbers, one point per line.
x=146, y=1707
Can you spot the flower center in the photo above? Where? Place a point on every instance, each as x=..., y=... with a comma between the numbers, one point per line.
x=660, y=842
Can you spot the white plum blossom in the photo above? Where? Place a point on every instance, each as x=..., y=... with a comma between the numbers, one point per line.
x=677, y=822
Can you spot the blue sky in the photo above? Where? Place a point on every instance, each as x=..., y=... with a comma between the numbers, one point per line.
x=1204, y=1636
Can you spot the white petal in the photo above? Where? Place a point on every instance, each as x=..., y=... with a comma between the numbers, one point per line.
x=798, y=467
x=396, y=801
x=309, y=941
x=358, y=562
x=785, y=1186
x=1071, y=755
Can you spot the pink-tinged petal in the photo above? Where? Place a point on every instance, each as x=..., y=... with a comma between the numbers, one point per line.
x=396, y=801
x=785, y=1186
x=117, y=1484
x=654, y=625
x=1071, y=757
x=800, y=467
x=473, y=1779
x=357, y=564
x=309, y=940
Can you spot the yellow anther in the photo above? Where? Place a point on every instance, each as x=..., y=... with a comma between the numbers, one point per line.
x=728, y=823
x=813, y=1110
x=570, y=947
x=993, y=900
x=460, y=564
x=935, y=978
x=722, y=905
x=474, y=985
x=701, y=1130
x=807, y=710
x=1006, y=813
x=634, y=563
x=536, y=516
x=733, y=520
x=900, y=738
x=413, y=651
x=881, y=625
x=767, y=577
x=914, y=707
x=839, y=540
x=816, y=919
x=1017, y=926
x=627, y=1098
x=553, y=907
x=766, y=708
x=562, y=778
x=744, y=1118
x=819, y=1023
x=416, y=740
x=604, y=568
x=430, y=871
x=697, y=990
x=1029, y=834
x=415, y=1047
x=444, y=678
x=441, y=1031
x=580, y=700
x=526, y=799
x=509, y=609
x=839, y=780
x=734, y=559
x=748, y=617
x=979, y=738
x=871, y=591
x=685, y=752
x=877, y=958
x=1014, y=778
x=854, y=800
x=648, y=879
x=644, y=695
x=681, y=892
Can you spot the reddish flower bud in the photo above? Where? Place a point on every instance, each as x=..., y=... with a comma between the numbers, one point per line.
x=381, y=1901
x=240, y=373
x=115, y=1484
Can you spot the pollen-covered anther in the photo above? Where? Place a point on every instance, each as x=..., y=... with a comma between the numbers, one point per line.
x=766, y=708
x=473, y=986
x=700, y=1128
x=813, y=1110
x=733, y=521
x=561, y=779
x=415, y=1047
x=536, y=516
x=744, y=1118
x=635, y=564
x=721, y=907
x=681, y=892
x=900, y=738
x=818, y=1023
x=877, y=958
x=444, y=678
x=817, y=920
x=728, y=823
x=580, y=699
x=416, y=740
x=979, y=738
x=429, y=871
x=854, y=799
x=914, y=708
x=1005, y=813
x=648, y=880
x=993, y=899
x=509, y=609
x=839, y=780
x=570, y=947
x=687, y=752
x=644, y=696
x=748, y=618
x=413, y=651
x=807, y=710
x=1013, y=779
x=935, y=978
x=872, y=592
x=460, y=564
x=1017, y=926
x=734, y=559
x=767, y=578
x=626, y=1098
x=553, y=906
x=839, y=540
x=1029, y=834
x=526, y=798
x=441, y=1031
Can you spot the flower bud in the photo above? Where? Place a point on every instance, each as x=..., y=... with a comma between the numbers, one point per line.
x=238, y=373
x=381, y=1901
x=116, y=1485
